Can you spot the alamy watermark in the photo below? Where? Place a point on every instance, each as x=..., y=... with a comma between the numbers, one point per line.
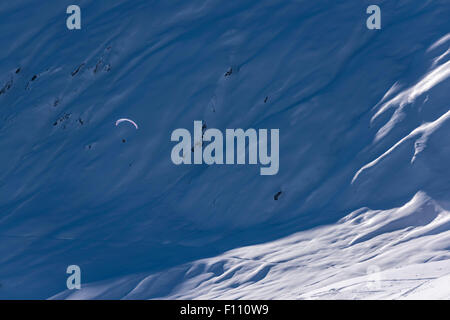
x=74, y=280
x=374, y=20
x=235, y=139
x=73, y=21
x=373, y=277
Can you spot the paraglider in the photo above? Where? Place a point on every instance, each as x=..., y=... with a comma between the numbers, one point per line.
x=127, y=120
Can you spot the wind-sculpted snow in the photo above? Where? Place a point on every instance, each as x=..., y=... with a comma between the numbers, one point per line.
x=423, y=133
x=363, y=123
x=408, y=96
x=383, y=254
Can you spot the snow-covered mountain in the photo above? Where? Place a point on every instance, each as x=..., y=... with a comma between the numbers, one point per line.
x=364, y=119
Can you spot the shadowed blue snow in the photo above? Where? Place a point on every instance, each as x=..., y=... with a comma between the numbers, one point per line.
x=363, y=117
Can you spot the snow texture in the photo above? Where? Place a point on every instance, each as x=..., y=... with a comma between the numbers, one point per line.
x=364, y=119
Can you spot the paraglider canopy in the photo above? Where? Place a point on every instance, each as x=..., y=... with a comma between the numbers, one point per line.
x=127, y=120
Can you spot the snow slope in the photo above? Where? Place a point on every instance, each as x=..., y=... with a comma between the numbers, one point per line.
x=367, y=254
x=364, y=150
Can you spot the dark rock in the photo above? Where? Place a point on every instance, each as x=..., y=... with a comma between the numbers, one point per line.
x=277, y=195
x=78, y=69
x=229, y=72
